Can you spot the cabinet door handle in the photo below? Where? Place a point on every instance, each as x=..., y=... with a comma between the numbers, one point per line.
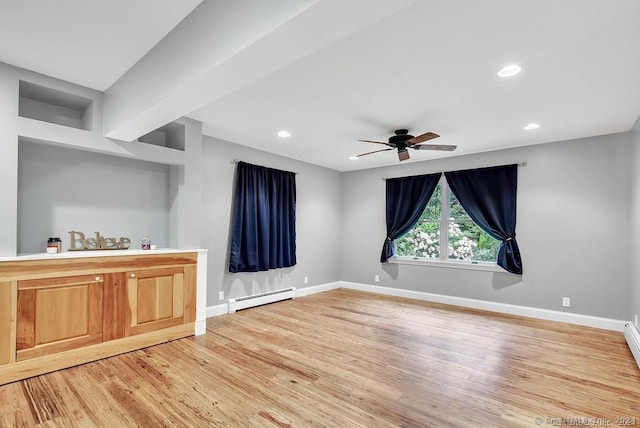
x=133, y=275
x=97, y=278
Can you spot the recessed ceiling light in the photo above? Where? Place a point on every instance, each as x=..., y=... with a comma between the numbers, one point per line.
x=354, y=157
x=284, y=134
x=531, y=126
x=509, y=70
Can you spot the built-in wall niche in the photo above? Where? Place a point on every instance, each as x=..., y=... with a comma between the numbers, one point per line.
x=54, y=106
x=62, y=190
x=171, y=135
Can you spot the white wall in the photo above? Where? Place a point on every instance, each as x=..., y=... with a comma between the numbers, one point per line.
x=318, y=222
x=60, y=190
x=634, y=292
x=8, y=160
x=572, y=219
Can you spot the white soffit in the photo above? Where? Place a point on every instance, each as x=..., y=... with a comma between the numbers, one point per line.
x=224, y=46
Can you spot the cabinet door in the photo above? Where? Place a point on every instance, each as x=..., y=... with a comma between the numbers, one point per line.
x=58, y=314
x=155, y=299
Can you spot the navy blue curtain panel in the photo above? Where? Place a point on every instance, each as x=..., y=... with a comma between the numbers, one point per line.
x=406, y=199
x=264, y=219
x=488, y=195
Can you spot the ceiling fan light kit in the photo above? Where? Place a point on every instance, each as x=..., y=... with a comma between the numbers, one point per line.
x=402, y=141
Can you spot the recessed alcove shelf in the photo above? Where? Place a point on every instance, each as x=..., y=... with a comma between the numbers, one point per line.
x=54, y=106
x=62, y=189
x=171, y=136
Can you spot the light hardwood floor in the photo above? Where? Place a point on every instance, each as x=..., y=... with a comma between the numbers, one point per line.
x=343, y=359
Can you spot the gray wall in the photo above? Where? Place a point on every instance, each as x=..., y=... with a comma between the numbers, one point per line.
x=60, y=190
x=572, y=195
x=634, y=292
x=318, y=222
x=8, y=160
x=573, y=213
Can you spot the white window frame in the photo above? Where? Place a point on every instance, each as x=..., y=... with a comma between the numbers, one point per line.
x=444, y=261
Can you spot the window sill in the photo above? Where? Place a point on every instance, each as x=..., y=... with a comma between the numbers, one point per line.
x=481, y=266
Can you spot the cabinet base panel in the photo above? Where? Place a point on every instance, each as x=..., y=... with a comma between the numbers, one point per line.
x=36, y=366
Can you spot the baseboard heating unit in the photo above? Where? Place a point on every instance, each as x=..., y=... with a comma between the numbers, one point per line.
x=633, y=340
x=261, y=299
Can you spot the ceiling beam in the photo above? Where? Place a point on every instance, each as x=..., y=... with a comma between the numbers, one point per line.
x=222, y=47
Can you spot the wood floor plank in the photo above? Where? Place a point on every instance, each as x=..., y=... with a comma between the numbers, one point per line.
x=345, y=359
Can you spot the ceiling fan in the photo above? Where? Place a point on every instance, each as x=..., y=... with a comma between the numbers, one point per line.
x=403, y=141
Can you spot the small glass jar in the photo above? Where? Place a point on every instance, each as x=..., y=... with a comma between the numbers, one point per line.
x=52, y=246
x=58, y=245
x=146, y=243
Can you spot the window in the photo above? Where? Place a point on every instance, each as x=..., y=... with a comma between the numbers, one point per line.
x=446, y=232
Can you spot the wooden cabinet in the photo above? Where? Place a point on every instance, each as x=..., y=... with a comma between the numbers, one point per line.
x=155, y=299
x=56, y=313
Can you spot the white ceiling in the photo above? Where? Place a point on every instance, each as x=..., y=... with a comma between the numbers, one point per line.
x=428, y=66
x=88, y=42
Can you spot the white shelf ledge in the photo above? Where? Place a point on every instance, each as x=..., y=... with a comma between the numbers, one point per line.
x=97, y=253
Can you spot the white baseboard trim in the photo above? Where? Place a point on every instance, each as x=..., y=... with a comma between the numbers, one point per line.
x=300, y=292
x=215, y=310
x=506, y=308
x=201, y=327
x=632, y=337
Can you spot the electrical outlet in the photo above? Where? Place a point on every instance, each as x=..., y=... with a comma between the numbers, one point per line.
x=566, y=302
x=306, y=279
x=376, y=278
x=221, y=295
x=635, y=320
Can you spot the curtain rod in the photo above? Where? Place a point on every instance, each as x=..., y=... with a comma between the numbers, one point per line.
x=522, y=164
x=235, y=161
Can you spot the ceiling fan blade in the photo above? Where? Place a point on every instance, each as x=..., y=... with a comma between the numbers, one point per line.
x=375, y=151
x=441, y=147
x=403, y=154
x=377, y=142
x=422, y=138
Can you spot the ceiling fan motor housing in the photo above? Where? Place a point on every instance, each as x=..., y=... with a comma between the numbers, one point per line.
x=401, y=136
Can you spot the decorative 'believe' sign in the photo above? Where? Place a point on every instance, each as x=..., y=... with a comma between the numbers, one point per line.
x=80, y=243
